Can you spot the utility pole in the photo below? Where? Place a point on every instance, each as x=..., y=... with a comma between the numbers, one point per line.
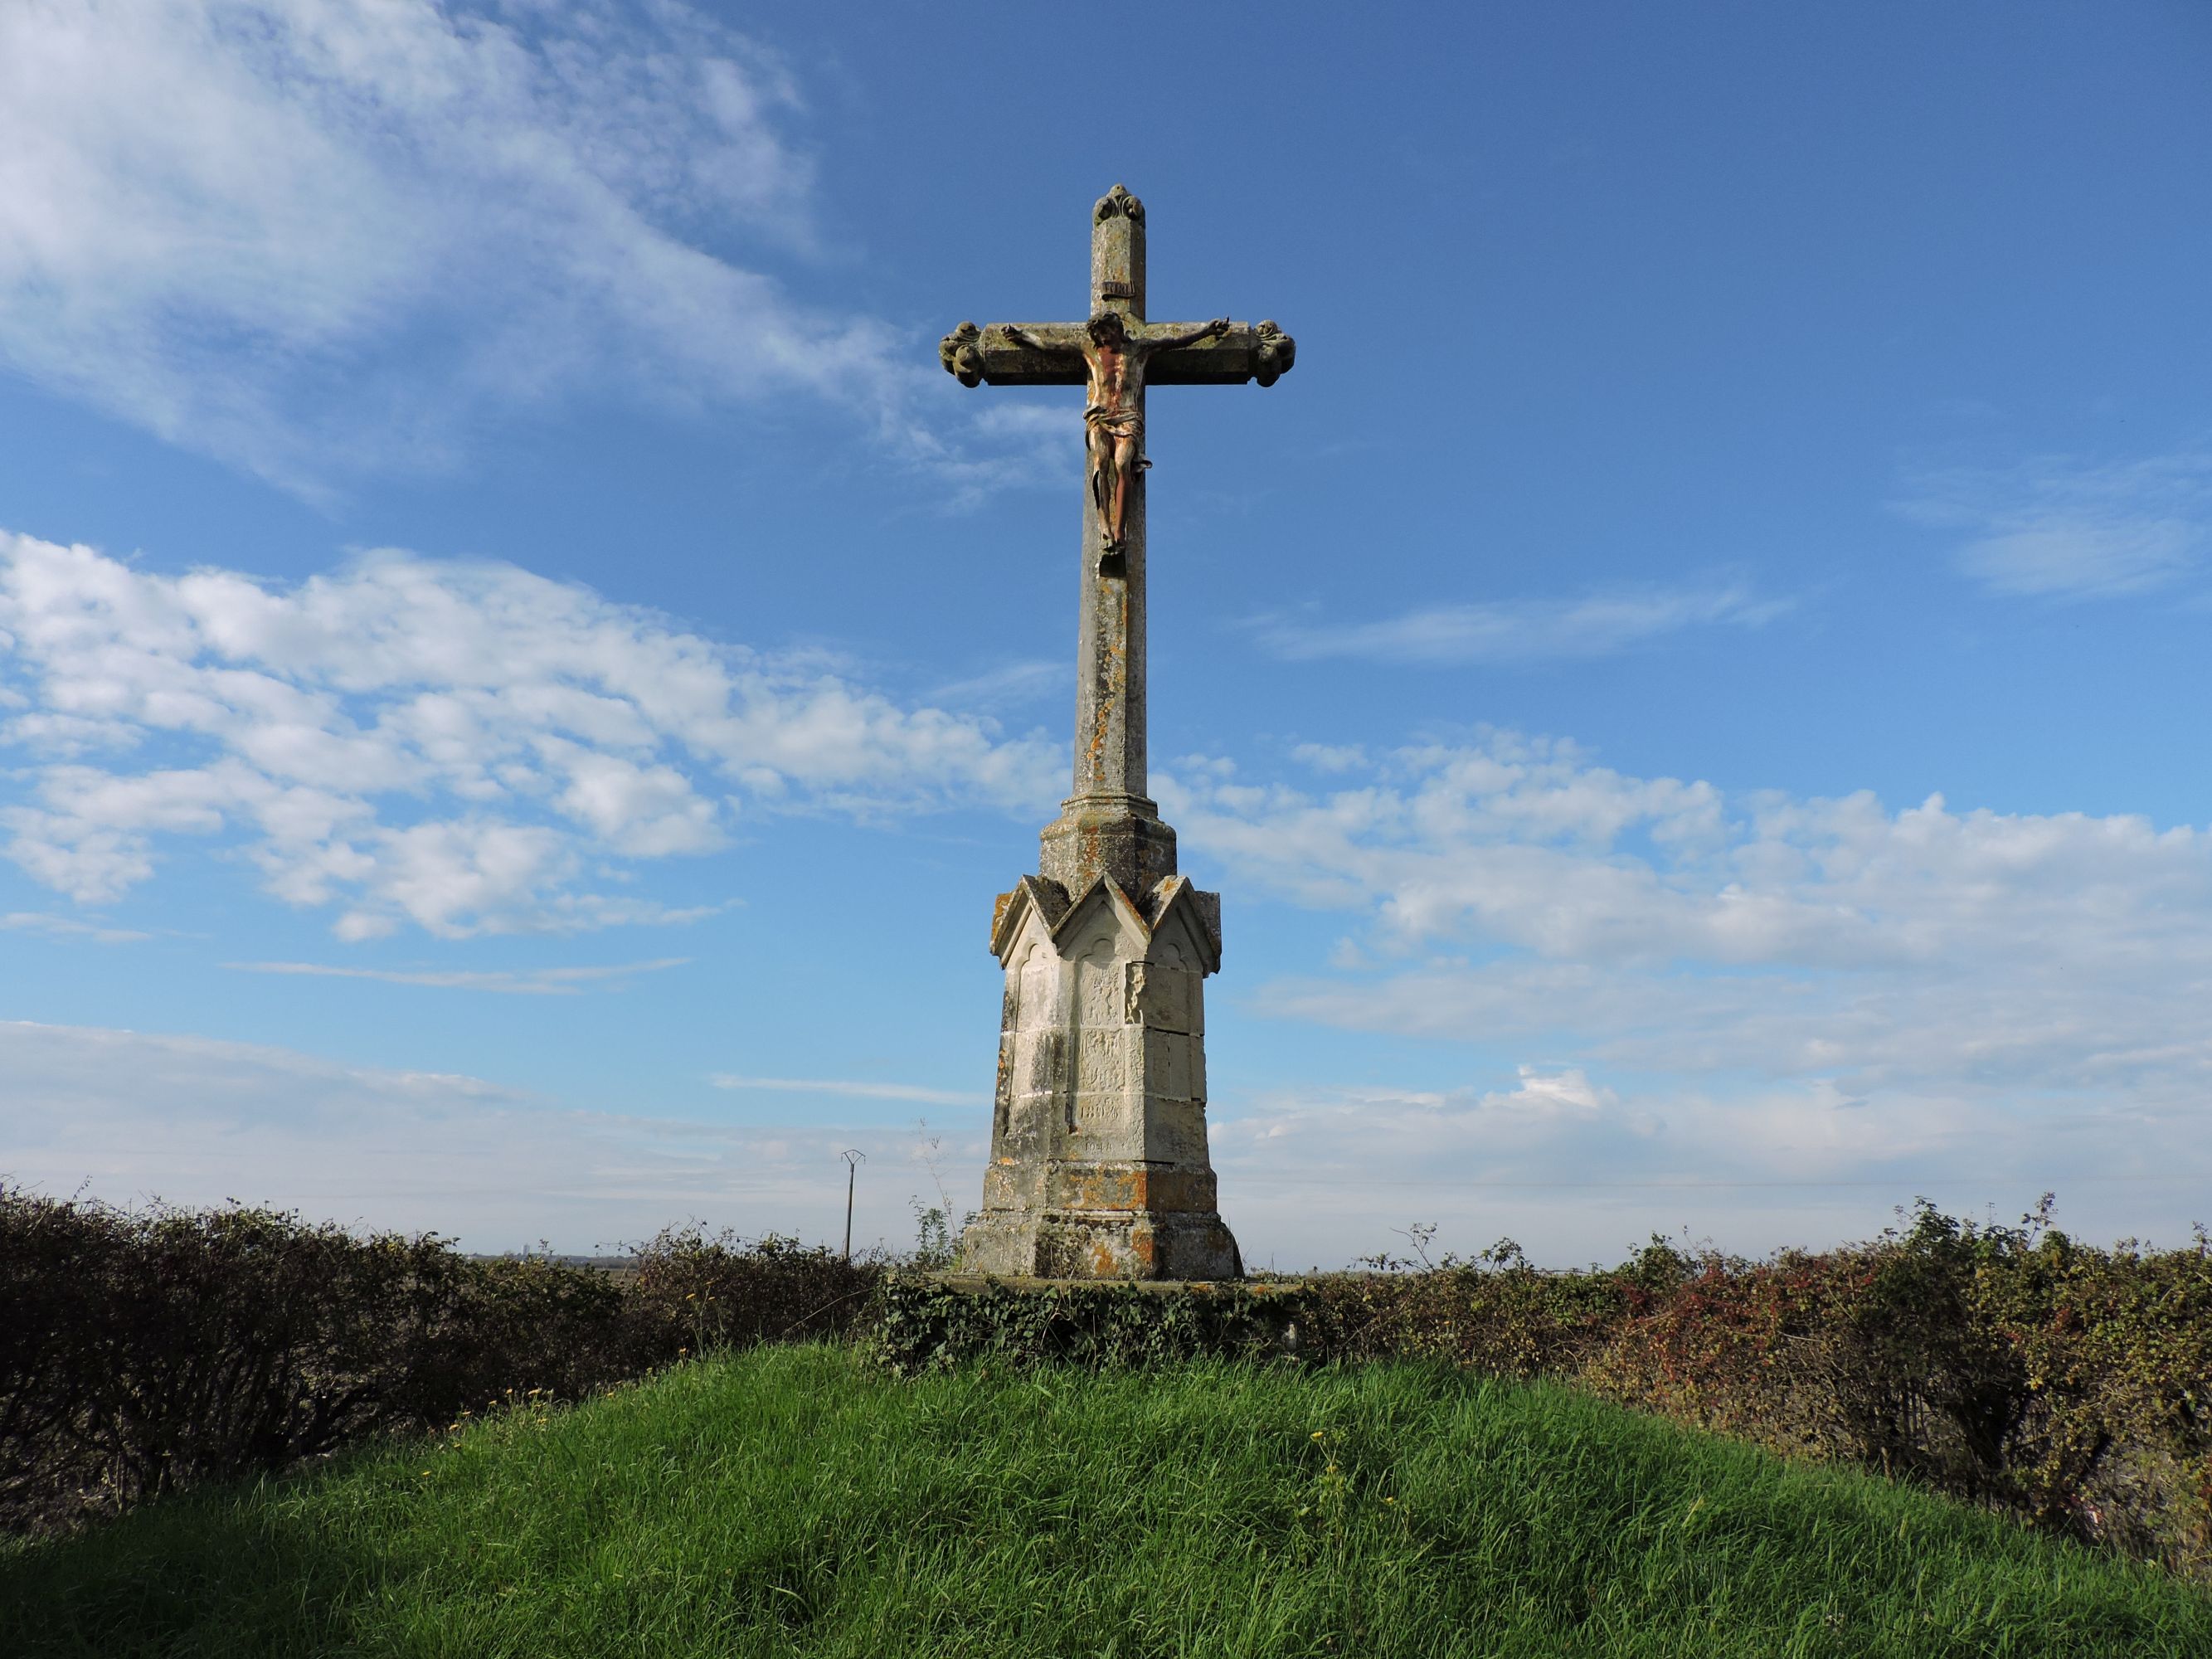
x=853, y=1158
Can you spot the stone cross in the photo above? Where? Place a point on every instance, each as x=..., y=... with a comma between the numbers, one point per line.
x=1099, y=1164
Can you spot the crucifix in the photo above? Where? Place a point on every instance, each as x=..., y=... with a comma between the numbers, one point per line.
x=1099, y=1163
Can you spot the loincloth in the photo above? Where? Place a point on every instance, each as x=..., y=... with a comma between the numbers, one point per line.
x=1115, y=423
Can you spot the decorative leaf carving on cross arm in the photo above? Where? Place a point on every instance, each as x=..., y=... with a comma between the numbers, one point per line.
x=960, y=352
x=1278, y=352
x=1118, y=204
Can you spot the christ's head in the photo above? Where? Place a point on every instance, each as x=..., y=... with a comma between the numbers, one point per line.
x=1106, y=329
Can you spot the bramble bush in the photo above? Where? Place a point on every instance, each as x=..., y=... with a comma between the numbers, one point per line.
x=2007, y=1365
x=716, y=1291
x=149, y=1351
x=2010, y=1366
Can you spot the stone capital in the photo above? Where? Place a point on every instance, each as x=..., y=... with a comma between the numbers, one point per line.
x=1117, y=837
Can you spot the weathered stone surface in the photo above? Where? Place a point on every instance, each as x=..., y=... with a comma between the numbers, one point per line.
x=1117, y=835
x=1099, y=1162
x=1248, y=351
x=1117, y=255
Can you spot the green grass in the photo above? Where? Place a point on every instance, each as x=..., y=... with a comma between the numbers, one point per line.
x=791, y=1501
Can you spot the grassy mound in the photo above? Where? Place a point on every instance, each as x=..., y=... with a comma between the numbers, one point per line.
x=793, y=1501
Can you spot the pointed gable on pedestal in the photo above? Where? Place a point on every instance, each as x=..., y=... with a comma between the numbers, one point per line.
x=1177, y=912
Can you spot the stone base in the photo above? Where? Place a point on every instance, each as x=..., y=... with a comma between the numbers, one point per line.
x=1100, y=1244
x=1099, y=1167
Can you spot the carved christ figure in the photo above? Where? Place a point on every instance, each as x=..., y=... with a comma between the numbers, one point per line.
x=1113, y=418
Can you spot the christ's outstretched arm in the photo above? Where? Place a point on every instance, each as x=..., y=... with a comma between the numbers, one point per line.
x=1213, y=330
x=1021, y=337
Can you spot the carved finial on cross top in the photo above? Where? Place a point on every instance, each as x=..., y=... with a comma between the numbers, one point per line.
x=1117, y=202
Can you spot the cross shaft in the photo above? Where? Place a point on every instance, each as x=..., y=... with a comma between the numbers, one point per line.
x=1109, y=826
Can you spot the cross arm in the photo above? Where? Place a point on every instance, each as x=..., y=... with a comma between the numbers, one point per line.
x=1015, y=354
x=1185, y=353
x=1182, y=354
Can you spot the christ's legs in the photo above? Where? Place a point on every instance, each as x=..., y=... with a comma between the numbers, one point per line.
x=1125, y=463
x=1102, y=481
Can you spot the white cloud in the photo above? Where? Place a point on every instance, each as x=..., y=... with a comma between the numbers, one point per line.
x=1524, y=630
x=313, y=238
x=457, y=746
x=1555, y=1094
x=1745, y=992
x=523, y=982
x=1561, y=1164
x=2060, y=528
x=852, y=1088
x=204, y=1121
x=1515, y=841
x=1330, y=758
x=1320, y=1176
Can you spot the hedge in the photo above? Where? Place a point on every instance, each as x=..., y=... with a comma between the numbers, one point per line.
x=2067, y=1384
x=145, y=1351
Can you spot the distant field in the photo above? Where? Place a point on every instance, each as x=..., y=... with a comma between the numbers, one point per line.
x=793, y=1501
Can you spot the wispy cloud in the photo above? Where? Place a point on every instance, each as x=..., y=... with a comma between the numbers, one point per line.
x=468, y=748
x=527, y=981
x=202, y=1121
x=33, y=922
x=1013, y=686
x=2061, y=528
x=1513, y=631
x=853, y=1089
x=1318, y=1176
x=320, y=239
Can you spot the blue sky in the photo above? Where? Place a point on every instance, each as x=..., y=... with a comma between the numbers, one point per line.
x=519, y=676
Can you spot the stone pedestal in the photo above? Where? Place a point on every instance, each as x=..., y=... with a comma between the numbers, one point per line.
x=1099, y=1167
